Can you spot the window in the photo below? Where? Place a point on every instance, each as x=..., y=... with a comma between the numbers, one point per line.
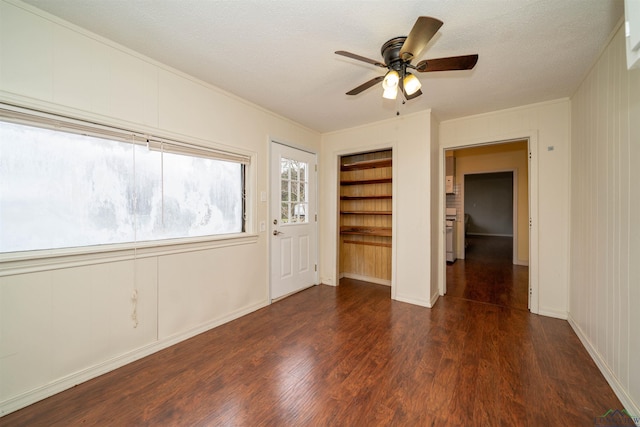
x=61, y=189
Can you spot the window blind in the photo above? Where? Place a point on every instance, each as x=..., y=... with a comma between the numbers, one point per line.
x=45, y=120
x=174, y=147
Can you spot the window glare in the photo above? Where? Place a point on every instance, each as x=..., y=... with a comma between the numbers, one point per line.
x=64, y=190
x=201, y=197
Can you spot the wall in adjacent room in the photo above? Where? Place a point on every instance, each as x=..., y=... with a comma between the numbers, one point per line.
x=605, y=226
x=488, y=200
x=65, y=319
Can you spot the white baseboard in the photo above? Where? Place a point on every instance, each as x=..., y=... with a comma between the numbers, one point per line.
x=553, y=313
x=434, y=299
x=327, y=282
x=632, y=407
x=69, y=381
x=366, y=278
x=414, y=301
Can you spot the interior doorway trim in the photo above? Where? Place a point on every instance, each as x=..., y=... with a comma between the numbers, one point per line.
x=532, y=138
x=334, y=203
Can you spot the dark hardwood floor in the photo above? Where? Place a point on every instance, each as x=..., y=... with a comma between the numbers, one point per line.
x=487, y=274
x=350, y=356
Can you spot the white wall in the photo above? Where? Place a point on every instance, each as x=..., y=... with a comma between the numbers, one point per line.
x=605, y=220
x=64, y=319
x=437, y=234
x=547, y=125
x=409, y=137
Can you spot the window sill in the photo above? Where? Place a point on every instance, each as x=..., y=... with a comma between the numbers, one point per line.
x=33, y=261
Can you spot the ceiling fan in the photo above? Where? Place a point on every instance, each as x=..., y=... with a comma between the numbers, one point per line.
x=398, y=54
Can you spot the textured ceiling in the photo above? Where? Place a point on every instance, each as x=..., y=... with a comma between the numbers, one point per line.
x=279, y=54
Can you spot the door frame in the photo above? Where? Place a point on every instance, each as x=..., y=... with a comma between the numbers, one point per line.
x=532, y=138
x=273, y=141
x=334, y=206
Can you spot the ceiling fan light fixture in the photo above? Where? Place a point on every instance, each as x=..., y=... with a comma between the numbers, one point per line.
x=389, y=92
x=411, y=84
x=391, y=80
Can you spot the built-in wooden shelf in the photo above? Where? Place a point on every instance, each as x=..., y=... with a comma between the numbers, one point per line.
x=366, y=181
x=366, y=215
x=379, y=196
x=366, y=231
x=366, y=212
x=367, y=164
x=363, y=242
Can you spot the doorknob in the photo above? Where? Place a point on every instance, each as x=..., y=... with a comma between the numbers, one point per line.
x=276, y=232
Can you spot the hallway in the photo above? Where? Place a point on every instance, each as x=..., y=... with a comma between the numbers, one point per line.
x=488, y=275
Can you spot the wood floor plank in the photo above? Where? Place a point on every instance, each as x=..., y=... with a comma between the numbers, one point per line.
x=350, y=356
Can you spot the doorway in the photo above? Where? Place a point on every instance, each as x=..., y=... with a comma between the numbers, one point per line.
x=293, y=219
x=490, y=198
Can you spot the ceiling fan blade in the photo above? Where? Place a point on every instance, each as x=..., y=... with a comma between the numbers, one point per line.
x=465, y=62
x=365, y=86
x=423, y=30
x=360, y=58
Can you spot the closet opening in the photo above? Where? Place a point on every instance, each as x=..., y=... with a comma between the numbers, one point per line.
x=365, y=217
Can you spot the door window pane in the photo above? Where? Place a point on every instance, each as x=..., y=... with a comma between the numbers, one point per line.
x=294, y=177
x=284, y=192
x=284, y=215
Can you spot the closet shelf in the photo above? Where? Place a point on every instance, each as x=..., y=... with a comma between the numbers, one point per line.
x=366, y=231
x=379, y=196
x=361, y=242
x=367, y=164
x=366, y=212
x=366, y=181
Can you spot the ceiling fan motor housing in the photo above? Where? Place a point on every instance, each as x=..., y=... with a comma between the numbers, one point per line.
x=391, y=53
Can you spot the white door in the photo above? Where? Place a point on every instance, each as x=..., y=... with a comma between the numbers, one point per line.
x=293, y=220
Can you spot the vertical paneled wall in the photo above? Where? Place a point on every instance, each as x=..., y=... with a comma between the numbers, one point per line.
x=605, y=219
